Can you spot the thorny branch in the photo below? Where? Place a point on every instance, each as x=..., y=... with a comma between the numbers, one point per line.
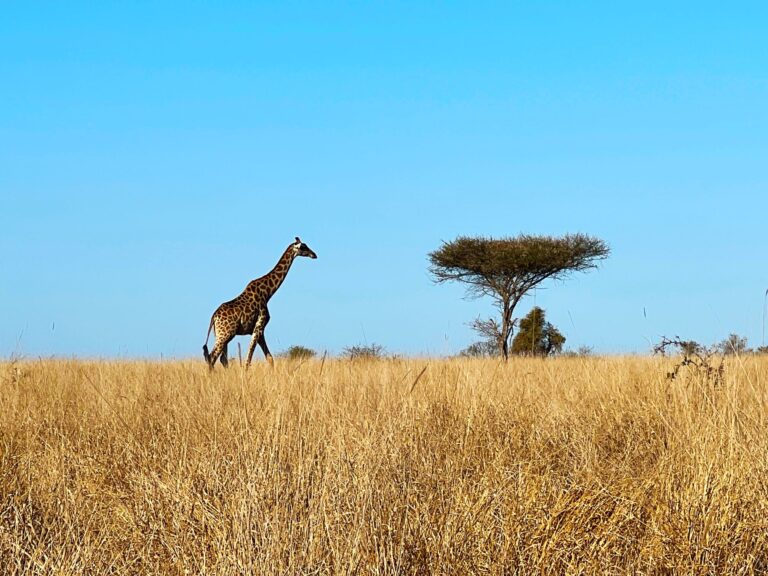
x=702, y=360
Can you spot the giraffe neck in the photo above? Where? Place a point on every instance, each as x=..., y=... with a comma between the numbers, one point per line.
x=275, y=278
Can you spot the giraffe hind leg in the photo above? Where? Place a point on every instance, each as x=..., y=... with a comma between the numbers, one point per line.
x=218, y=349
x=224, y=358
x=214, y=355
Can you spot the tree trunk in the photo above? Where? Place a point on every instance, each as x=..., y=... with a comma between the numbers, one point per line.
x=506, y=330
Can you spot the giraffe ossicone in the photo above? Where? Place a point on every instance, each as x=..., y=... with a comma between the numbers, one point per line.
x=248, y=313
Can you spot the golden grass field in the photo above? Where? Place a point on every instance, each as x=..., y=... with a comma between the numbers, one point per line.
x=566, y=466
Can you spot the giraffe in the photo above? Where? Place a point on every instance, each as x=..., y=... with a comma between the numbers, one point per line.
x=248, y=313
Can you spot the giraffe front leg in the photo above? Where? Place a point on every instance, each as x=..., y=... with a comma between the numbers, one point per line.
x=265, y=349
x=258, y=333
x=263, y=339
x=252, y=346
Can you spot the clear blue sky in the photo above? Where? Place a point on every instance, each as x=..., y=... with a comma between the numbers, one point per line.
x=155, y=157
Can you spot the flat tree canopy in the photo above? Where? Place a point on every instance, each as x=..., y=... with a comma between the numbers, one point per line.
x=508, y=268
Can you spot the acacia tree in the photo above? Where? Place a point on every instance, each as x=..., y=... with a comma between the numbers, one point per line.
x=506, y=269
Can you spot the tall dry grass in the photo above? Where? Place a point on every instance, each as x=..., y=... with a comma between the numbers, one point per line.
x=571, y=466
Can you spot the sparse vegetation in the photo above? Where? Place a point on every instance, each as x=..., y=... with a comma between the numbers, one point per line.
x=297, y=352
x=469, y=467
x=580, y=352
x=691, y=347
x=734, y=345
x=480, y=349
x=703, y=363
x=364, y=352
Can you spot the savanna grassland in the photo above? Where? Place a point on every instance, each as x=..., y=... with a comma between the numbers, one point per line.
x=567, y=466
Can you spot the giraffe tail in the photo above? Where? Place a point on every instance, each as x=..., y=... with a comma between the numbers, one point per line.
x=206, y=354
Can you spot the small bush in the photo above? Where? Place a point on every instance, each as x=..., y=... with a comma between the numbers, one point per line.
x=536, y=336
x=734, y=345
x=480, y=349
x=299, y=353
x=363, y=352
x=580, y=352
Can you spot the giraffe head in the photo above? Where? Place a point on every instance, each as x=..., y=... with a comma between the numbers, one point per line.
x=301, y=249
